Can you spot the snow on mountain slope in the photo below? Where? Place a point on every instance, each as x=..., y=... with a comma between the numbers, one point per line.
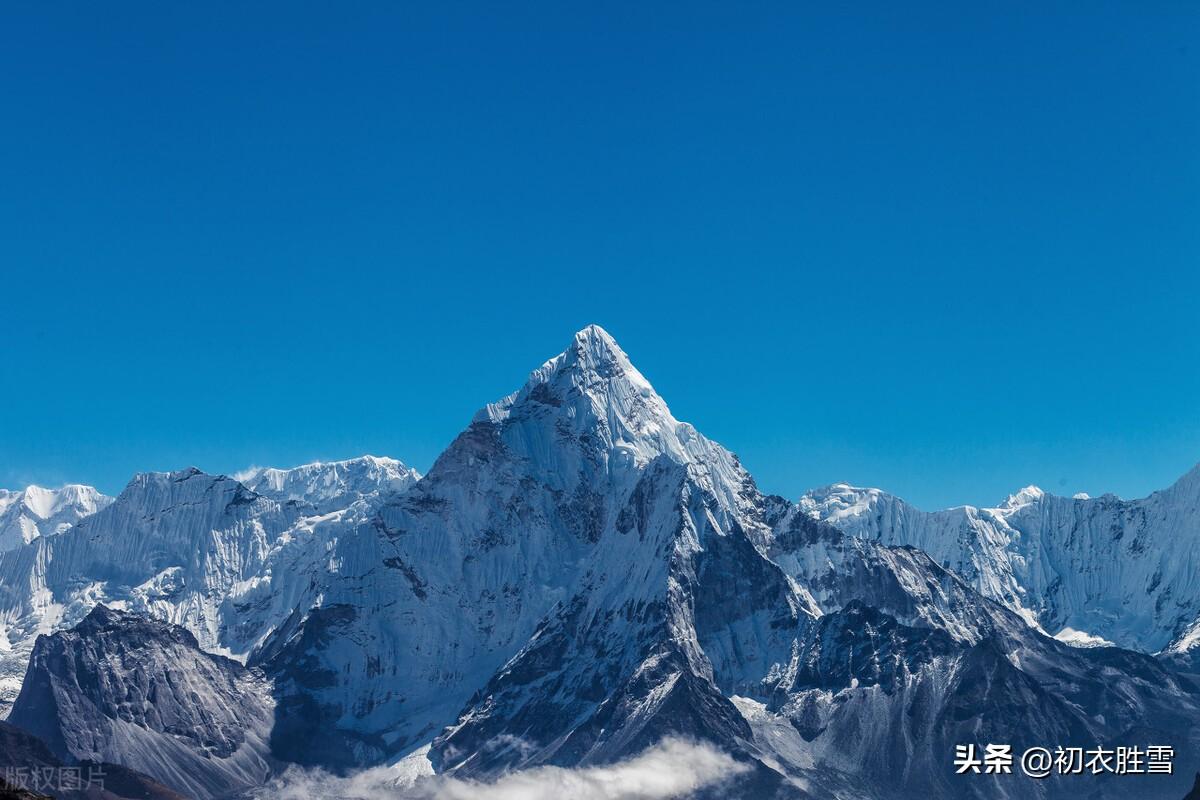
x=854, y=668
x=873, y=708
x=1126, y=571
x=34, y=511
x=332, y=485
x=457, y=573
x=907, y=661
x=680, y=614
x=837, y=569
x=197, y=550
x=121, y=688
x=677, y=606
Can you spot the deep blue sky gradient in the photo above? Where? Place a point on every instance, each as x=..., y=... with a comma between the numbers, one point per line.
x=947, y=249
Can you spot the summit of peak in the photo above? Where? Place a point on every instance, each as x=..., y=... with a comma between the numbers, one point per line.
x=595, y=337
x=591, y=395
x=1027, y=495
x=185, y=473
x=329, y=485
x=38, y=511
x=180, y=477
x=1188, y=485
x=102, y=615
x=593, y=365
x=595, y=350
x=843, y=492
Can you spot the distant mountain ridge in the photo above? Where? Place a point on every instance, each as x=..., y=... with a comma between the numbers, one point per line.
x=33, y=511
x=331, y=485
x=185, y=547
x=1092, y=570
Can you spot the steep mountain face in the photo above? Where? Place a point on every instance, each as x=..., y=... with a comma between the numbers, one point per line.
x=1086, y=569
x=34, y=512
x=854, y=668
x=687, y=616
x=876, y=706
x=677, y=609
x=907, y=661
x=836, y=570
x=197, y=550
x=124, y=689
x=174, y=546
x=455, y=575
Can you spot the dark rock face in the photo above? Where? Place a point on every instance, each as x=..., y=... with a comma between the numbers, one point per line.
x=908, y=661
x=13, y=792
x=32, y=772
x=305, y=729
x=123, y=689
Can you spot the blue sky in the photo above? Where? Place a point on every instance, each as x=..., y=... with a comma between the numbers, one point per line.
x=945, y=250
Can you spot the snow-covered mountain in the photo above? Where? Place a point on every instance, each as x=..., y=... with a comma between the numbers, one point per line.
x=1090, y=570
x=907, y=660
x=198, y=550
x=332, y=485
x=833, y=664
x=585, y=574
x=579, y=576
x=33, y=511
x=505, y=525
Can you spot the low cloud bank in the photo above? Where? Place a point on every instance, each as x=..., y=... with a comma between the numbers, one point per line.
x=674, y=768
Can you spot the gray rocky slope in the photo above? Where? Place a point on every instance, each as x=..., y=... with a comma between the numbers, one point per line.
x=125, y=689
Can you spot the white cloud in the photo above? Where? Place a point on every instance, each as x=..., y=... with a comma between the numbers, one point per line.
x=246, y=474
x=674, y=768
x=299, y=784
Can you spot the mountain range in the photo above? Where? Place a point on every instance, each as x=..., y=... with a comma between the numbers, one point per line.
x=579, y=578
x=32, y=512
x=1091, y=570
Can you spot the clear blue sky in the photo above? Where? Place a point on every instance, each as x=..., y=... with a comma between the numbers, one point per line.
x=946, y=249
